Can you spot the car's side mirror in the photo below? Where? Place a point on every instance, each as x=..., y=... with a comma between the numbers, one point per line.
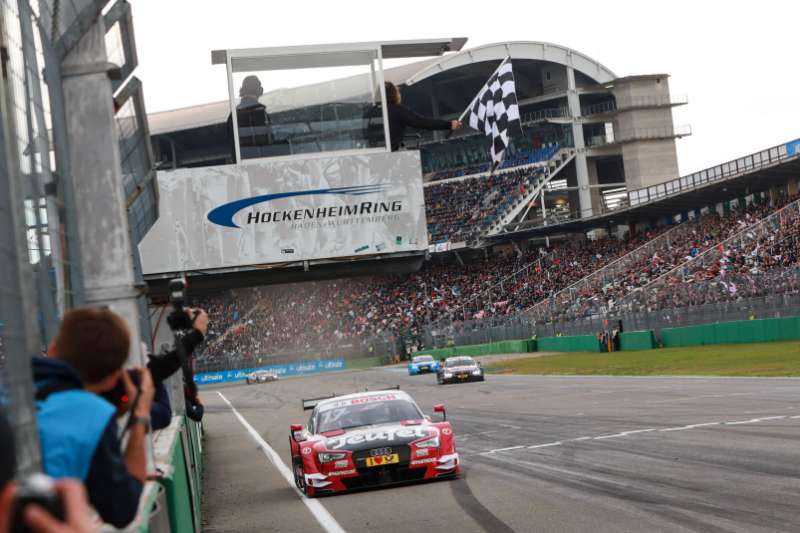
x=297, y=432
x=439, y=408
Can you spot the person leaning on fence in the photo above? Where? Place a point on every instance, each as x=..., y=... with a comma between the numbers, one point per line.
x=78, y=430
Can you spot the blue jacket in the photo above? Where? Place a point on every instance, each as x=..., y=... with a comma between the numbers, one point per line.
x=78, y=438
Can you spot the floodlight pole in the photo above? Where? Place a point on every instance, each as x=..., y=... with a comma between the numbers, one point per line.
x=102, y=222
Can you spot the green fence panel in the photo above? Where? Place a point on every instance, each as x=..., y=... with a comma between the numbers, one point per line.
x=533, y=345
x=637, y=340
x=473, y=350
x=577, y=343
x=736, y=332
x=176, y=485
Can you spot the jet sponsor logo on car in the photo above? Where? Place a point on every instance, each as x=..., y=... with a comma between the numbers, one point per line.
x=381, y=435
x=447, y=431
x=423, y=461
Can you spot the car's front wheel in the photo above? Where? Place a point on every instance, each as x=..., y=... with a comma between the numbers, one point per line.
x=299, y=479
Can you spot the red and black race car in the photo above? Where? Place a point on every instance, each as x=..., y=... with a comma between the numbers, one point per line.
x=369, y=439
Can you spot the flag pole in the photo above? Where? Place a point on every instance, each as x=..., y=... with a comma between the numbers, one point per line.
x=472, y=102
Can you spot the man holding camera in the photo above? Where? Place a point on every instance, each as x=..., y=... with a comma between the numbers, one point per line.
x=80, y=390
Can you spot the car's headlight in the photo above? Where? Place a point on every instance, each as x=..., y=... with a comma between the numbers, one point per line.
x=432, y=442
x=329, y=457
x=447, y=373
x=476, y=372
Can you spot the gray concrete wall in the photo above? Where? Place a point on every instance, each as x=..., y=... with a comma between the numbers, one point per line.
x=647, y=162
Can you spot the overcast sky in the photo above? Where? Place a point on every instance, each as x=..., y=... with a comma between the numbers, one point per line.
x=737, y=61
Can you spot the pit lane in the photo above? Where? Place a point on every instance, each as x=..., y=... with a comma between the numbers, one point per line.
x=539, y=454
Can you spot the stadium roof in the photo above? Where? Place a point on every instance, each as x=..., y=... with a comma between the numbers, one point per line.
x=217, y=112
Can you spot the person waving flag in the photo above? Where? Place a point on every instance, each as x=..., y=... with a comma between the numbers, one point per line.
x=494, y=110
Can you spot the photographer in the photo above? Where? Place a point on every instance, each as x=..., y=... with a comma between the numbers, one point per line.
x=195, y=327
x=77, y=427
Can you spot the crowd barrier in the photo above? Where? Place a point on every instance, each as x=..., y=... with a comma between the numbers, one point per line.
x=289, y=369
x=172, y=503
x=740, y=331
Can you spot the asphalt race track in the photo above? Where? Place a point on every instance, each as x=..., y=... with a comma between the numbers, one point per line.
x=539, y=454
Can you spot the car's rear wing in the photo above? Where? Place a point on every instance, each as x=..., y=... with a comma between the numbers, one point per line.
x=310, y=403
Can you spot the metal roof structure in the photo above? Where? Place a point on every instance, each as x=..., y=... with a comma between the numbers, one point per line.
x=217, y=112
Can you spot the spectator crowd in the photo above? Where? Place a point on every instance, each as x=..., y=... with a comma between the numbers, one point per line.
x=458, y=211
x=313, y=316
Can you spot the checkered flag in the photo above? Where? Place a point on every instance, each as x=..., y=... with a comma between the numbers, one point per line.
x=494, y=110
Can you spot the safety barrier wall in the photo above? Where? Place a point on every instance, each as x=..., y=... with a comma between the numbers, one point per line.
x=740, y=331
x=637, y=340
x=290, y=369
x=578, y=343
x=177, y=452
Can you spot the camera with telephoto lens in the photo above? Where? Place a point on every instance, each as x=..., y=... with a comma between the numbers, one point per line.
x=178, y=320
x=37, y=489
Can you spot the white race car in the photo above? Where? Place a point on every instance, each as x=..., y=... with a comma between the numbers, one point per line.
x=261, y=376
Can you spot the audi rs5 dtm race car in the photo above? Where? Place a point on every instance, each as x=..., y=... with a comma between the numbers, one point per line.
x=422, y=364
x=369, y=439
x=260, y=376
x=458, y=369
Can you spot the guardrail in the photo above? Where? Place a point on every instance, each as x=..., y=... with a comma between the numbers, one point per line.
x=654, y=193
x=729, y=170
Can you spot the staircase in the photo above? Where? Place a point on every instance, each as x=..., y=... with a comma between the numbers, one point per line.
x=554, y=165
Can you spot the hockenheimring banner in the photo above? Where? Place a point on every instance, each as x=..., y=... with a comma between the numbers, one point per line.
x=278, y=211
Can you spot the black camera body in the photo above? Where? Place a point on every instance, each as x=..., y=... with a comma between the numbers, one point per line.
x=178, y=320
x=118, y=396
x=37, y=489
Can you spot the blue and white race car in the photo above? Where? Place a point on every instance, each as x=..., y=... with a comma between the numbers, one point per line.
x=422, y=364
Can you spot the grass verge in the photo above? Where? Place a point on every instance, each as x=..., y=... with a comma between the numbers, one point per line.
x=761, y=359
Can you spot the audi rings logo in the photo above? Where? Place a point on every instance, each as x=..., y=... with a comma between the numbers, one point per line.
x=380, y=451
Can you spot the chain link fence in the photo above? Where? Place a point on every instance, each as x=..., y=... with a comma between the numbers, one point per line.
x=37, y=277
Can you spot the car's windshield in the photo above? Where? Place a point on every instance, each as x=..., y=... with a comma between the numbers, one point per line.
x=354, y=413
x=423, y=359
x=459, y=361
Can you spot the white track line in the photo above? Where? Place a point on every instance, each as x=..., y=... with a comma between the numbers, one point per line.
x=634, y=431
x=325, y=519
x=557, y=443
